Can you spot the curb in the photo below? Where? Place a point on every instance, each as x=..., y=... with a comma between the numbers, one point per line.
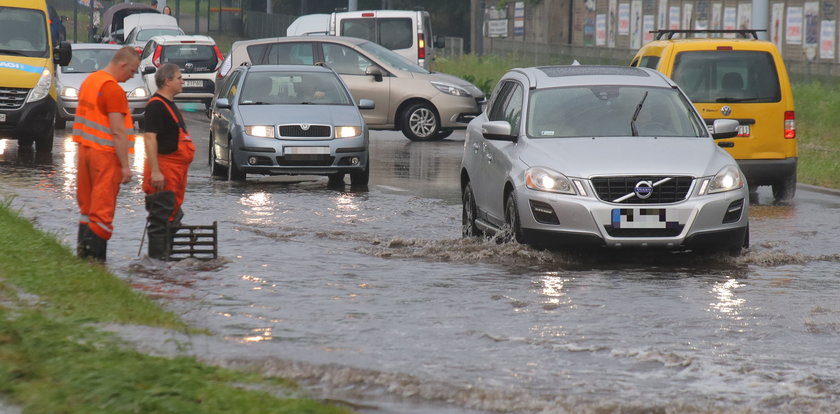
x=818, y=189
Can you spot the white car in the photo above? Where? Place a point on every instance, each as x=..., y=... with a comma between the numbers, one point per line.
x=198, y=57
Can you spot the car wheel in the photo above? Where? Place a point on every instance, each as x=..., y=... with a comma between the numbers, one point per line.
x=745, y=243
x=234, y=173
x=513, y=230
x=420, y=122
x=784, y=190
x=468, y=214
x=216, y=169
x=361, y=178
x=336, y=179
x=44, y=142
x=444, y=133
x=60, y=123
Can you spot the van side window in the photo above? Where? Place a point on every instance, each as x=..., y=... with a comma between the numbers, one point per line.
x=344, y=60
x=396, y=33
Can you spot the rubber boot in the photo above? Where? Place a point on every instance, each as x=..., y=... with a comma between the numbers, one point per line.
x=160, y=206
x=81, y=251
x=90, y=245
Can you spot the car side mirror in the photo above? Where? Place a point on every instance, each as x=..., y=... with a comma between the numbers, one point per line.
x=367, y=104
x=148, y=70
x=439, y=42
x=497, y=131
x=62, y=54
x=375, y=72
x=222, y=103
x=725, y=128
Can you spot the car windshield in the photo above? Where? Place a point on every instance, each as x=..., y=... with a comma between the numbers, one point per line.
x=89, y=60
x=293, y=88
x=609, y=110
x=17, y=37
x=727, y=76
x=390, y=58
x=147, y=34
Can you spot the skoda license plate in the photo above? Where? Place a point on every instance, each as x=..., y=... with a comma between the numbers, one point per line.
x=193, y=83
x=306, y=150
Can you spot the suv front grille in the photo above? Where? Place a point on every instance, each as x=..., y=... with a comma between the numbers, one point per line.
x=312, y=131
x=611, y=188
x=12, y=98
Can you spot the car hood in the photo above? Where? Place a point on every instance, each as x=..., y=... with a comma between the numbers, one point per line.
x=588, y=157
x=443, y=77
x=341, y=115
x=75, y=80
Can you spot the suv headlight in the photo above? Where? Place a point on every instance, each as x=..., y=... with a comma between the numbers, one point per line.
x=139, y=92
x=42, y=88
x=543, y=179
x=70, y=93
x=262, y=131
x=450, y=89
x=347, y=131
x=727, y=179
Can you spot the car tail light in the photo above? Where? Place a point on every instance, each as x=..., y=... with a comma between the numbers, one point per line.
x=790, y=125
x=421, y=46
x=219, y=57
x=156, y=56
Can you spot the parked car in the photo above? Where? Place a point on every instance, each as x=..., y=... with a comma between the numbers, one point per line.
x=143, y=26
x=288, y=119
x=601, y=155
x=88, y=58
x=425, y=106
x=198, y=57
x=736, y=78
x=112, y=30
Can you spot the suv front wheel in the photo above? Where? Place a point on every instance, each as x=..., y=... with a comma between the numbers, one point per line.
x=420, y=122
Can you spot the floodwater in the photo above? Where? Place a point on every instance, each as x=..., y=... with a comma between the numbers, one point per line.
x=372, y=298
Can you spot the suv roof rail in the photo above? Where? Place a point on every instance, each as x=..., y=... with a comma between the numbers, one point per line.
x=742, y=32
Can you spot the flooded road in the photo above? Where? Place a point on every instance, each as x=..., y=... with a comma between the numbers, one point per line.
x=372, y=297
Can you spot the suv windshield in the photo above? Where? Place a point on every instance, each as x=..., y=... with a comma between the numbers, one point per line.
x=392, y=59
x=293, y=88
x=727, y=76
x=190, y=57
x=607, y=110
x=23, y=32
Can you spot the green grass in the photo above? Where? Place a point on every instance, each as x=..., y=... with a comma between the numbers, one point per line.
x=54, y=360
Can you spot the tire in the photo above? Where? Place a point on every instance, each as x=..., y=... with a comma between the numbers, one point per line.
x=234, y=173
x=335, y=180
x=44, y=142
x=60, y=123
x=216, y=169
x=444, y=133
x=361, y=178
x=736, y=251
x=784, y=190
x=514, y=226
x=420, y=122
x=468, y=213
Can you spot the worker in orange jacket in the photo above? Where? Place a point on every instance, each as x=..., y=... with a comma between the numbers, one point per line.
x=169, y=152
x=103, y=128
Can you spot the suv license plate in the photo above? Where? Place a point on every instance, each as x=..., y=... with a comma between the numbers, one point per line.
x=639, y=218
x=193, y=83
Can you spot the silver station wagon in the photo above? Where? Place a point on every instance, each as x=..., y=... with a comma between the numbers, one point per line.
x=288, y=119
x=570, y=156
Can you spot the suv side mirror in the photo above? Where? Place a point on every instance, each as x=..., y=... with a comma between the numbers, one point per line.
x=497, y=131
x=222, y=103
x=148, y=70
x=439, y=42
x=62, y=54
x=725, y=128
x=375, y=72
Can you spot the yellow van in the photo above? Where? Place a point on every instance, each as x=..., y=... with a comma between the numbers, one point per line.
x=739, y=78
x=27, y=73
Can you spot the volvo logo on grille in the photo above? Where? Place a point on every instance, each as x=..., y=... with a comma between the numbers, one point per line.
x=304, y=127
x=726, y=110
x=643, y=189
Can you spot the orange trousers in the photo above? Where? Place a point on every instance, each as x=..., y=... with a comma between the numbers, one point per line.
x=98, y=183
x=174, y=168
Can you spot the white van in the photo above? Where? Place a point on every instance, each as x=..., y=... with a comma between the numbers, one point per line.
x=406, y=32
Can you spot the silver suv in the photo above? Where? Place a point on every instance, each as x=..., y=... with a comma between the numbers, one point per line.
x=601, y=155
x=425, y=106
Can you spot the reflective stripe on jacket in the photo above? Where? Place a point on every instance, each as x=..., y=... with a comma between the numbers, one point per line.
x=91, y=126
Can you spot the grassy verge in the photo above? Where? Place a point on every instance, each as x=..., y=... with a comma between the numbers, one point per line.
x=53, y=360
x=817, y=103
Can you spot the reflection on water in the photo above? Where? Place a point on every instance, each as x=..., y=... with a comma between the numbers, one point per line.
x=728, y=303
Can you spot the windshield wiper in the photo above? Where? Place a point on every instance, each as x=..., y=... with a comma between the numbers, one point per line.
x=11, y=52
x=636, y=115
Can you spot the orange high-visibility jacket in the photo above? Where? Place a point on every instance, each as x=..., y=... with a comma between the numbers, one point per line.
x=91, y=127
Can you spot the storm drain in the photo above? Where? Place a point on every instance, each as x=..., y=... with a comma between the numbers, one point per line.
x=199, y=242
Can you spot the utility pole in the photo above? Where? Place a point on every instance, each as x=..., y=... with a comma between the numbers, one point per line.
x=268, y=6
x=352, y=5
x=761, y=17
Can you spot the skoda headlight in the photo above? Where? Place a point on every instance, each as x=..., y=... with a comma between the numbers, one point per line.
x=543, y=179
x=347, y=131
x=140, y=92
x=42, y=88
x=70, y=93
x=450, y=89
x=727, y=179
x=262, y=131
